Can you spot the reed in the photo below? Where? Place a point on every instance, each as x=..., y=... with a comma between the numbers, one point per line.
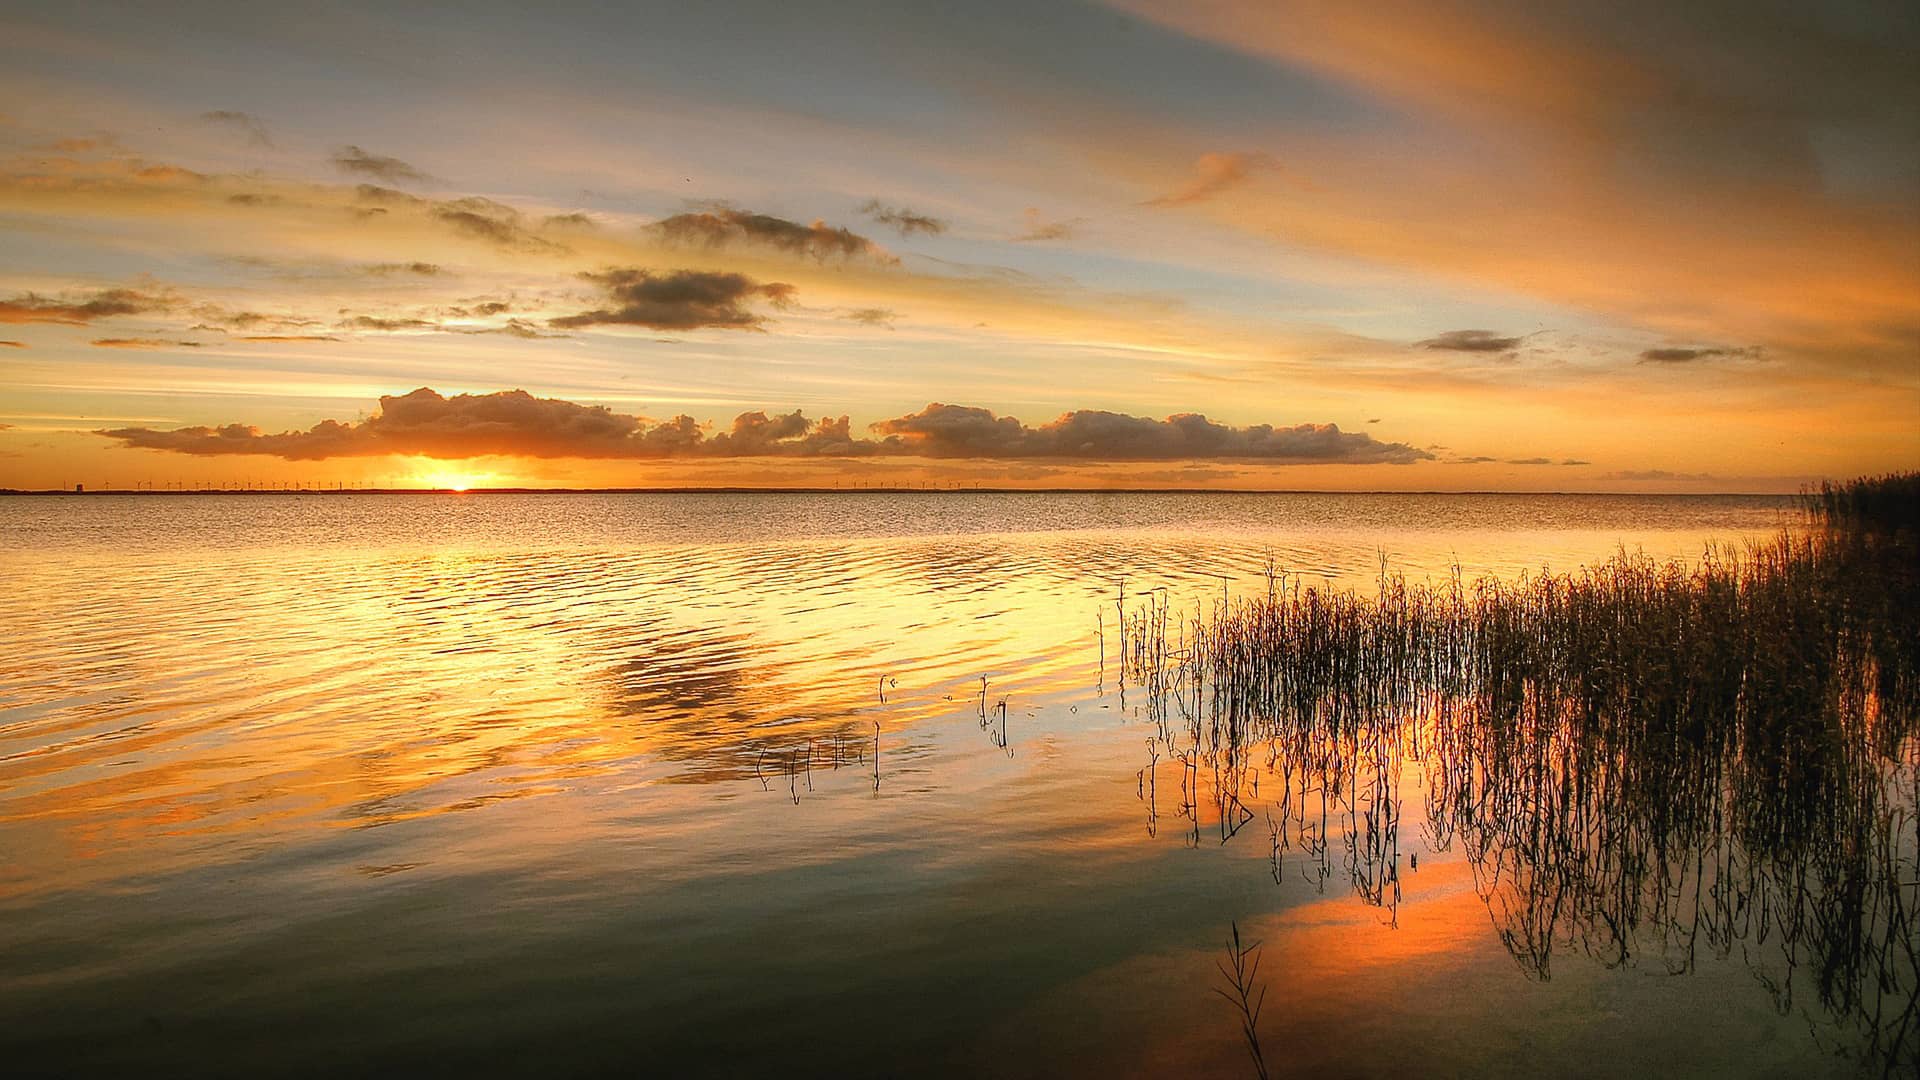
x=1241, y=969
x=1640, y=761
x=1883, y=502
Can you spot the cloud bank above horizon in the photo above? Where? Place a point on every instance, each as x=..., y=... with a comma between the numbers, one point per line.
x=514, y=423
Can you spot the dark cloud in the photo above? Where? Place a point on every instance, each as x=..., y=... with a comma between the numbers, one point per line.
x=248, y=198
x=374, y=322
x=903, y=220
x=1688, y=356
x=678, y=300
x=167, y=174
x=1575, y=461
x=496, y=223
x=33, y=308
x=216, y=317
x=1656, y=474
x=80, y=310
x=474, y=216
x=391, y=169
x=483, y=308
x=1482, y=459
x=1477, y=341
x=511, y=422
x=755, y=434
x=13, y=344
x=374, y=193
x=420, y=269
x=142, y=343
x=517, y=423
x=1213, y=174
x=962, y=431
x=872, y=316
x=723, y=225
x=246, y=124
x=574, y=220
x=289, y=337
x=520, y=328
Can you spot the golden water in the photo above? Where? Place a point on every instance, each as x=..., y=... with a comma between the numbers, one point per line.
x=700, y=783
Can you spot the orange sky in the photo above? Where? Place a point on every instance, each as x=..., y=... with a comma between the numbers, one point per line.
x=1558, y=249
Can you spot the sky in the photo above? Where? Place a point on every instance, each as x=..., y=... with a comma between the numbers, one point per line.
x=1211, y=244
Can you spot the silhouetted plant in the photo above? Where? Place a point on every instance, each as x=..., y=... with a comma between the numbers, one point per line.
x=1639, y=761
x=1241, y=969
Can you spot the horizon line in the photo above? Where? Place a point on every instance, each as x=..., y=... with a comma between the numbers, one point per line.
x=766, y=490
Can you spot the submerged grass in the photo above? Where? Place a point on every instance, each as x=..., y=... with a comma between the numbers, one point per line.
x=1639, y=760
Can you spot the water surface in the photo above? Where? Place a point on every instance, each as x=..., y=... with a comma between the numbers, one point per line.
x=707, y=783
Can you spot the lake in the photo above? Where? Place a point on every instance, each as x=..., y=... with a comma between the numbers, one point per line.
x=736, y=784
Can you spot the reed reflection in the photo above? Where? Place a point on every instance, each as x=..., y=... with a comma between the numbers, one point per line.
x=1642, y=763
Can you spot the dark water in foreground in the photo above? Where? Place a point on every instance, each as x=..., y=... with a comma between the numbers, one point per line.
x=692, y=784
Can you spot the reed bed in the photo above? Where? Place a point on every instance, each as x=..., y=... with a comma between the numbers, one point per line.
x=1882, y=503
x=1641, y=762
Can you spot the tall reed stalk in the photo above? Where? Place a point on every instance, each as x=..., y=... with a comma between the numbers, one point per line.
x=1642, y=762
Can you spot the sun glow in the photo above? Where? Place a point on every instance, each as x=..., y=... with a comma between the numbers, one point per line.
x=449, y=480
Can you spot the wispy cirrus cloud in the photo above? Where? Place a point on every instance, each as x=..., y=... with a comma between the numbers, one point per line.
x=1484, y=459
x=245, y=123
x=473, y=216
x=142, y=343
x=384, y=225
x=34, y=308
x=493, y=222
x=387, y=325
x=1795, y=172
x=520, y=328
x=1213, y=173
x=392, y=269
x=352, y=159
x=1645, y=475
x=902, y=220
x=1039, y=229
x=1675, y=355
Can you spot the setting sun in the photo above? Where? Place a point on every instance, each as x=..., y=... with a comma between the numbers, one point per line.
x=456, y=480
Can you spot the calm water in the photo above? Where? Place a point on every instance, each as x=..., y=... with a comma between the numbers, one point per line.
x=700, y=784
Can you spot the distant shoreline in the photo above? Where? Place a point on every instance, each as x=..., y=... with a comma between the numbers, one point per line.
x=143, y=492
